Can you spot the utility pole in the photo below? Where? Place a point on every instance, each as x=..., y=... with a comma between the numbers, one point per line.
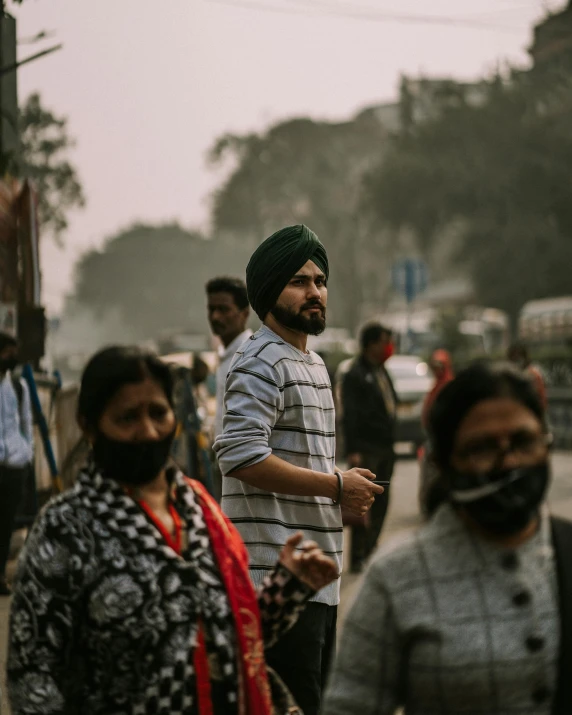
x=8, y=145
x=9, y=136
x=20, y=300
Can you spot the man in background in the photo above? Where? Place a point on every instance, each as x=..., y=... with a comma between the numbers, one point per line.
x=369, y=405
x=16, y=446
x=228, y=311
x=518, y=354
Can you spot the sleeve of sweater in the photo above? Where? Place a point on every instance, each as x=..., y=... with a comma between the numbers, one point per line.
x=366, y=676
x=253, y=402
x=281, y=599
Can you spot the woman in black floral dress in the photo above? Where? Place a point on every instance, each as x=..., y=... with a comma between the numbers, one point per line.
x=132, y=594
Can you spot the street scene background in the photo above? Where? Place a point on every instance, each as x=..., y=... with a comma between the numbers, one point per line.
x=145, y=150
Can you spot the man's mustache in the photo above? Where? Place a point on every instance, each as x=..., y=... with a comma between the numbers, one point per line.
x=313, y=304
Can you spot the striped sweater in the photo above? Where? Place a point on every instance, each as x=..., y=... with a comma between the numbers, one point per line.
x=278, y=400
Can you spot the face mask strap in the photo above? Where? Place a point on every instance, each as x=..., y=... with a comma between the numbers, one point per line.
x=466, y=496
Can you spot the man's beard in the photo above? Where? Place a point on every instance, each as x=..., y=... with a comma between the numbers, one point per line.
x=313, y=325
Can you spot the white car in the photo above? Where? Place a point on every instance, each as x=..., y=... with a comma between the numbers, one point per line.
x=412, y=381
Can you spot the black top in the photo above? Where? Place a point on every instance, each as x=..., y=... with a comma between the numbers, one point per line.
x=368, y=424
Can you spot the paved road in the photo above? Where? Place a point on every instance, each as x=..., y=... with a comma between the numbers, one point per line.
x=403, y=515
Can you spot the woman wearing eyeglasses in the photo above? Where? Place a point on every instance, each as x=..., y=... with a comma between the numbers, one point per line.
x=473, y=612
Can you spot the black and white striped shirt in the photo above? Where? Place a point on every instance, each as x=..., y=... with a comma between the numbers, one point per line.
x=278, y=400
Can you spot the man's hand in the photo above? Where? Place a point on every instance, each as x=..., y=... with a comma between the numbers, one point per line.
x=309, y=563
x=359, y=492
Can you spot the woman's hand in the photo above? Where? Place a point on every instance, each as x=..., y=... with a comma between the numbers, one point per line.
x=308, y=563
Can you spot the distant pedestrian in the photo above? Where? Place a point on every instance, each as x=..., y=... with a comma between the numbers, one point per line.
x=431, y=493
x=277, y=449
x=228, y=312
x=472, y=613
x=442, y=368
x=16, y=446
x=518, y=354
x=369, y=404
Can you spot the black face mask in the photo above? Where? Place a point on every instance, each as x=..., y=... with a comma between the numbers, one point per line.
x=502, y=501
x=8, y=364
x=133, y=463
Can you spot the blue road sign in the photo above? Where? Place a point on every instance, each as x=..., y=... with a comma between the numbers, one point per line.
x=410, y=277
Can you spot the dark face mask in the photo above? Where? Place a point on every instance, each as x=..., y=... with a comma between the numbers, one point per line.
x=133, y=463
x=8, y=364
x=503, y=501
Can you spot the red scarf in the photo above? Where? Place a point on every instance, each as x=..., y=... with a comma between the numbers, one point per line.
x=444, y=377
x=232, y=558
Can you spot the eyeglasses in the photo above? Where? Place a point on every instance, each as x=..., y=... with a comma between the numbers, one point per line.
x=486, y=453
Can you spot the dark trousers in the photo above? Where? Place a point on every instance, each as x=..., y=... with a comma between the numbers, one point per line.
x=217, y=479
x=11, y=490
x=303, y=655
x=364, y=538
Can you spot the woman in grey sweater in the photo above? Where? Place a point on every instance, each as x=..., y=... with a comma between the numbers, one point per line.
x=463, y=616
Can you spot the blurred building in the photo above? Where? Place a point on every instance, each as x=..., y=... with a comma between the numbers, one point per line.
x=552, y=43
x=21, y=312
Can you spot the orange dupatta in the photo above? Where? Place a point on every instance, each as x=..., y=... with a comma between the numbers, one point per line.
x=232, y=558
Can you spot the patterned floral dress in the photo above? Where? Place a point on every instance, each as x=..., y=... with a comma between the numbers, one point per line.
x=106, y=618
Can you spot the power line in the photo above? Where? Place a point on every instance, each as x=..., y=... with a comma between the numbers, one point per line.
x=362, y=13
x=370, y=12
x=503, y=10
x=17, y=65
x=391, y=11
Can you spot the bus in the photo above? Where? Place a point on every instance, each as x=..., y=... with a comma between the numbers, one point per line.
x=546, y=322
x=484, y=331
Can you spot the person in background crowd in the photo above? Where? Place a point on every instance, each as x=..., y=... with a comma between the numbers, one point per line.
x=16, y=446
x=369, y=405
x=518, y=354
x=199, y=376
x=430, y=486
x=473, y=612
x=133, y=593
x=442, y=367
x=277, y=449
x=228, y=311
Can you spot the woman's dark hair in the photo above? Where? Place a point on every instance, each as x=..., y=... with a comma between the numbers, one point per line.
x=481, y=381
x=109, y=370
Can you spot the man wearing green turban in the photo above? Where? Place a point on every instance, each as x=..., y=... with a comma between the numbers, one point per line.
x=277, y=448
x=275, y=262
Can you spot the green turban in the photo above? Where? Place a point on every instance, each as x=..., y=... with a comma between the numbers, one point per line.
x=276, y=260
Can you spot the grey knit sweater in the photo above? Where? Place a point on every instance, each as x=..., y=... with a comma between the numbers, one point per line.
x=448, y=623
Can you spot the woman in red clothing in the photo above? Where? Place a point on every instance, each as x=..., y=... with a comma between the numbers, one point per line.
x=430, y=491
x=133, y=594
x=440, y=364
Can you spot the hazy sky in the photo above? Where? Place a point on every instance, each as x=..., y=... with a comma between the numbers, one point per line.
x=148, y=86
